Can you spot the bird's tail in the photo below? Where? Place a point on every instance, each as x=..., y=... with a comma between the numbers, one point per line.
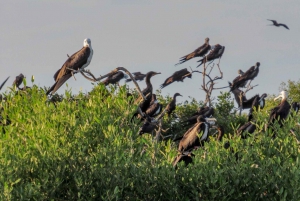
x=163, y=86
x=201, y=62
x=4, y=83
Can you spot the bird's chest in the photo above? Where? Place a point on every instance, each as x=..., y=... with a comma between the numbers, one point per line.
x=89, y=58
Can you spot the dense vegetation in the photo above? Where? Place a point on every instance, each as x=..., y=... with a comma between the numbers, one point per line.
x=85, y=148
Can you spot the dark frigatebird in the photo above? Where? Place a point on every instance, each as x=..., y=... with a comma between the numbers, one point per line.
x=148, y=126
x=3, y=83
x=275, y=23
x=147, y=92
x=205, y=111
x=216, y=52
x=114, y=78
x=199, y=52
x=244, y=103
x=190, y=140
x=246, y=129
x=172, y=105
x=154, y=109
x=178, y=76
x=75, y=63
x=18, y=81
x=241, y=80
x=138, y=76
x=281, y=111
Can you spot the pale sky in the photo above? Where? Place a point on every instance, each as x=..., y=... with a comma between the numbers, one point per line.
x=141, y=35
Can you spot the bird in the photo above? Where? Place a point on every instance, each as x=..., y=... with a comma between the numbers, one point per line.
x=190, y=140
x=242, y=79
x=154, y=108
x=246, y=129
x=138, y=76
x=114, y=78
x=75, y=63
x=147, y=92
x=280, y=112
x=18, y=81
x=275, y=23
x=296, y=107
x=199, y=52
x=148, y=126
x=178, y=76
x=3, y=83
x=205, y=111
x=244, y=103
x=221, y=132
x=172, y=105
x=215, y=53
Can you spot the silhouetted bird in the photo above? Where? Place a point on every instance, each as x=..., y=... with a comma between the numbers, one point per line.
x=216, y=52
x=115, y=78
x=199, y=52
x=275, y=23
x=18, y=81
x=138, y=76
x=178, y=76
x=172, y=105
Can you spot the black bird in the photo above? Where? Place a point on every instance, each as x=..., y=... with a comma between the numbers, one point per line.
x=138, y=76
x=242, y=80
x=18, y=81
x=178, y=76
x=215, y=53
x=248, y=128
x=296, y=107
x=172, y=105
x=75, y=63
x=275, y=23
x=191, y=141
x=114, y=78
x=155, y=107
x=280, y=112
x=147, y=92
x=244, y=103
x=199, y=52
x=3, y=83
x=148, y=126
x=204, y=111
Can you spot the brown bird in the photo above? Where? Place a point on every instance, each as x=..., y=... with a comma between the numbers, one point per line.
x=114, y=78
x=3, y=83
x=242, y=80
x=172, y=105
x=246, y=129
x=191, y=141
x=204, y=111
x=215, y=53
x=75, y=63
x=178, y=76
x=18, y=81
x=138, y=76
x=199, y=52
x=275, y=23
x=281, y=112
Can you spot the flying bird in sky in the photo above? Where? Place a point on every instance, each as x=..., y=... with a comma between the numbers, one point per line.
x=75, y=63
x=275, y=23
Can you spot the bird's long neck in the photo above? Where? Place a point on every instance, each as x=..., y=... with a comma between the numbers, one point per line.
x=148, y=83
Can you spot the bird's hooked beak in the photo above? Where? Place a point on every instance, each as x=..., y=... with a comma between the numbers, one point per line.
x=280, y=96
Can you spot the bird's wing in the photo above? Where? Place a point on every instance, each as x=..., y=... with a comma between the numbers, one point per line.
x=60, y=82
x=76, y=61
x=284, y=26
x=3, y=83
x=274, y=21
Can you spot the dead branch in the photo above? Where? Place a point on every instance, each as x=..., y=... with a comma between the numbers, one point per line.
x=248, y=89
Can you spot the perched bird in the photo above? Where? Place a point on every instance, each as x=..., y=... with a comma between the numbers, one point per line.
x=204, y=111
x=138, y=76
x=178, y=76
x=3, y=83
x=148, y=126
x=191, y=141
x=75, y=63
x=246, y=129
x=144, y=105
x=242, y=80
x=275, y=23
x=244, y=103
x=18, y=81
x=172, y=105
x=199, y=52
x=154, y=108
x=114, y=78
x=296, y=107
x=216, y=52
x=281, y=112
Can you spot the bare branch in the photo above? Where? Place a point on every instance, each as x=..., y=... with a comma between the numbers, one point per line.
x=248, y=89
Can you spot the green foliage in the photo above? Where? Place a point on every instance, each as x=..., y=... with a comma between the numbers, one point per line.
x=293, y=89
x=84, y=147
